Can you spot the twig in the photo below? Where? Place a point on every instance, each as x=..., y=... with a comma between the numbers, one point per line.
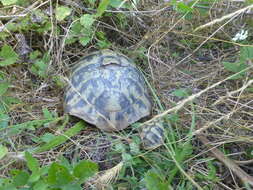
x=208, y=38
x=234, y=92
x=91, y=10
x=12, y=16
x=205, y=127
x=234, y=14
x=24, y=12
x=243, y=162
x=244, y=177
x=227, y=116
x=192, y=97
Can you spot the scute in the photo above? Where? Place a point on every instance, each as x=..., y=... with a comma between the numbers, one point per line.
x=107, y=90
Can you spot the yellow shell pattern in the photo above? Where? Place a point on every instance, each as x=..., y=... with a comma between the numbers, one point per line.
x=108, y=91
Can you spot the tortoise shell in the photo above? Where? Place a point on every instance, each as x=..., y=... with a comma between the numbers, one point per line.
x=107, y=90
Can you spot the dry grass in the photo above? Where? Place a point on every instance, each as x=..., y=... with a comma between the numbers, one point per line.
x=177, y=54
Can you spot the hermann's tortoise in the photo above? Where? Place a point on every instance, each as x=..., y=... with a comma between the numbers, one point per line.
x=107, y=90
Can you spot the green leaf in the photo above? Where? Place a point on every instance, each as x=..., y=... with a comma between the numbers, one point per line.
x=64, y=161
x=183, y=8
x=32, y=163
x=154, y=182
x=35, y=54
x=85, y=169
x=61, y=138
x=11, y=100
x=182, y=92
x=87, y=20
x=59, y=175
x=102, y=7
x=40, y=67
x=47, y=137
x=117, y=3
x=127, y=157
x=45, y=28
x=70, y=40
x=3, y=76
x=8, y=187
x=4, y=120
x=62, y=12
x=76, y=28
x=103, y=44
x=84, y=40
x=135, y=145
x=59, y=81
x=74, y=33
x=47, y=114
x=182, y=152
x=29, y=125
x=212, y=172
x=8, y=56
x=21, y=178
x=174, y=118
x=44, y=170
x=3, y=87
x=72, y=187
x=8, y=2
x=248, y=2
x=120, y=148
x=40, y=185
x=3, y=151
x=34, y=177
x=6, y=102
x=235, y=68
x=246, y=53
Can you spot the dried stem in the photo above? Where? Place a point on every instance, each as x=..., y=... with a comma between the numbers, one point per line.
x=244, y=177
x=234, y=14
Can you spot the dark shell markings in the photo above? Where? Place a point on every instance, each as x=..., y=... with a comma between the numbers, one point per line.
x=107, y=90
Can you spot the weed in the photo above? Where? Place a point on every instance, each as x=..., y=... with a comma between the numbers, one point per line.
x=197, y=60
x=58, y=175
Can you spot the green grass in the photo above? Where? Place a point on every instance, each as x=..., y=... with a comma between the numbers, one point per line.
x=43, y=149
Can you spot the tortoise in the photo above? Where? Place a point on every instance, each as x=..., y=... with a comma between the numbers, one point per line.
x=107, y=90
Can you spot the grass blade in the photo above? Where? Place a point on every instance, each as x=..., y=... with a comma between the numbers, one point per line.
x=61, y=138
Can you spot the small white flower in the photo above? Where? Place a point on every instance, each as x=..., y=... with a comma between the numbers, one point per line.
x=242, y=35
